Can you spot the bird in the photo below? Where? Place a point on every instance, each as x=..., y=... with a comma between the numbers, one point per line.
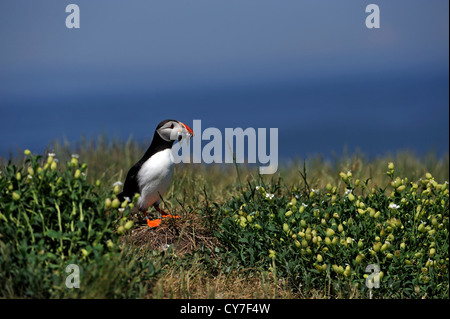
x=151, y=176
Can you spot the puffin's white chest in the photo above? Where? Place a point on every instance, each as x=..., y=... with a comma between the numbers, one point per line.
x=154, y=177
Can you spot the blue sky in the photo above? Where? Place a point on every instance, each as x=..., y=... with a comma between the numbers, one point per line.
x=208, y=52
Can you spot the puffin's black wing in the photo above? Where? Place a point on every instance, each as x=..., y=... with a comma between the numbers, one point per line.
x=131, y=185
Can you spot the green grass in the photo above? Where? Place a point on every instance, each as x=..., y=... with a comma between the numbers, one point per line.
x=237, y=243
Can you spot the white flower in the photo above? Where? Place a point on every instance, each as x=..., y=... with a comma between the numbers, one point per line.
x=29, y=176
x=394, y=206
x=117, y=183
x=127, y=199
x=269, y=196
x=75, y=155
x=347, y=191
x=304, y=205
x=165, y=246
x=121, y=209
x=315, y=190
x=258, y=187
x=52, y=154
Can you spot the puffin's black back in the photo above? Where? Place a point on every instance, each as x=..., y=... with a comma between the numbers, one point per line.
x=131, y=185
x=157, y=145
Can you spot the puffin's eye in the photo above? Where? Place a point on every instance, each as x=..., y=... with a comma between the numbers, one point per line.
x=171, y=125
x=179, y=137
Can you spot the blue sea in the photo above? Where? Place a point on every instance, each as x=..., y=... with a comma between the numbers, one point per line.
x=374, y=115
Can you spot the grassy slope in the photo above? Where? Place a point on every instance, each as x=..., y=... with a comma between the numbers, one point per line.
x=187, y=274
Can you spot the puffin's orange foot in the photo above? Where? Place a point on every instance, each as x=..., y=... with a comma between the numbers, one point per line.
x=170, y=216
x=153, y=223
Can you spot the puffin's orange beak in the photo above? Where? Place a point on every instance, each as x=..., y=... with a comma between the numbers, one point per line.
x=187, y=128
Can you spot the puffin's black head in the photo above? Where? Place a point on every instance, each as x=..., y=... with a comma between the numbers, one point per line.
x=172, y=130
x=167, y=132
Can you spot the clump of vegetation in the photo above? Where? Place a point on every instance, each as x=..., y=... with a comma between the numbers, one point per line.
x=241, y=235
x=50, y=217
x=324, y=239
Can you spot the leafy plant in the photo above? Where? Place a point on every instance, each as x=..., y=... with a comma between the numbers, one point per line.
x=51, y=216
x=325, y=239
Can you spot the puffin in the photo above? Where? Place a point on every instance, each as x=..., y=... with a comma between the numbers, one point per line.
x=151, y=176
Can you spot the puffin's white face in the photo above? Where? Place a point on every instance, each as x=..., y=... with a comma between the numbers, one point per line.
x=171, y=130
